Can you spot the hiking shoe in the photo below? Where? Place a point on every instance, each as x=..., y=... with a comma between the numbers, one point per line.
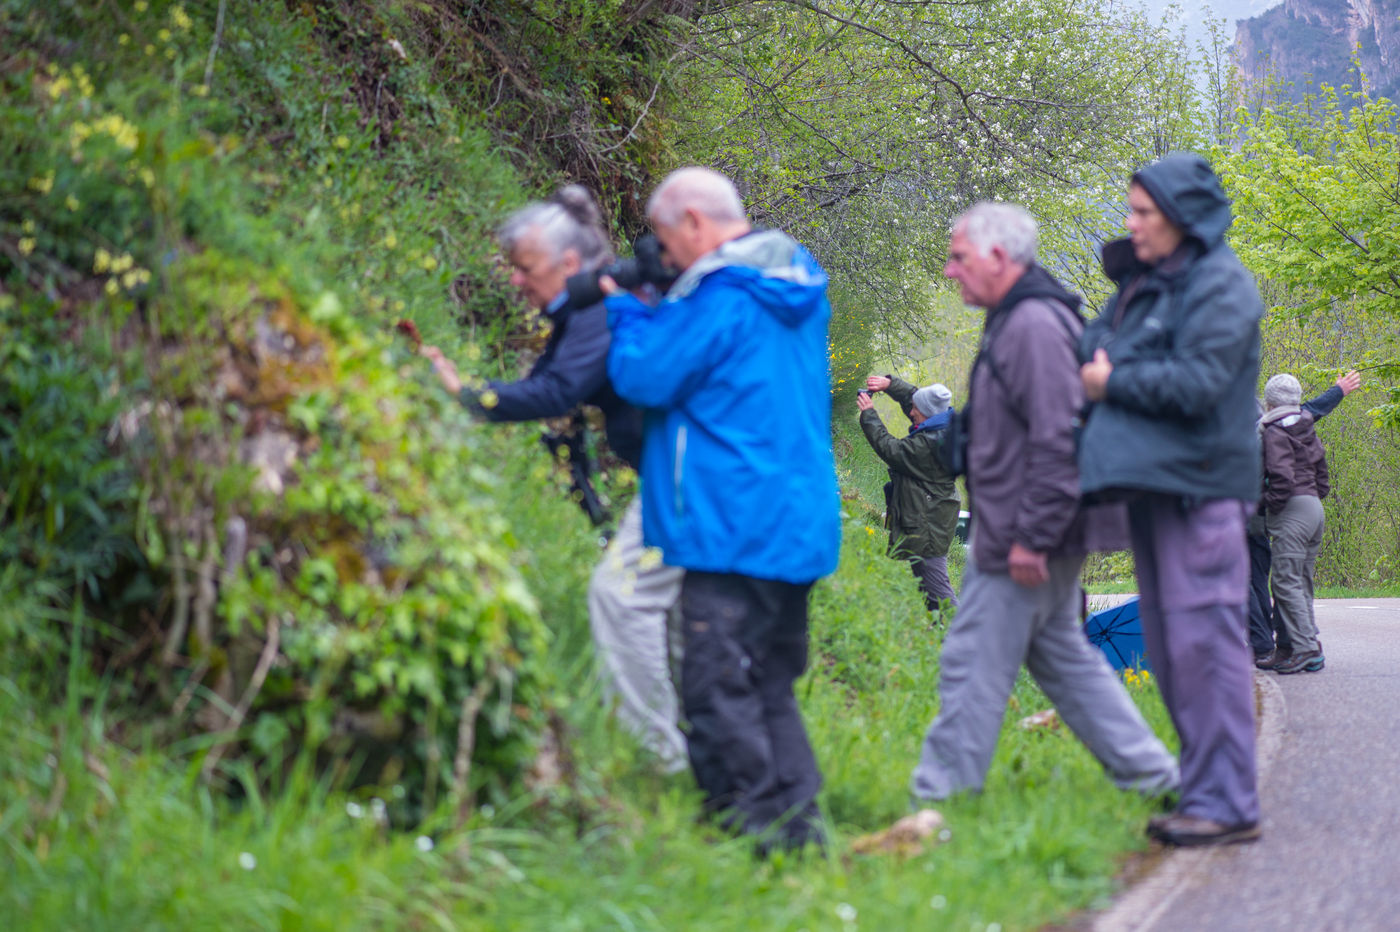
x=1309, y=661
x=1194, y=831
x=1272, y=659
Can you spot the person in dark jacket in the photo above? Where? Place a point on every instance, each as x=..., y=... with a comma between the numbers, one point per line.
x=1295, y=483
x=632, y=590
x=1171, y=365
x=1265, y=621
x=922, y=501
x=1020, y=593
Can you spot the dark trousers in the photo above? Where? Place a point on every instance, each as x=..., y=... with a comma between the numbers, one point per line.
x=932, y=574
x=1261, y=607
x=745, y=644
x=1265, y=624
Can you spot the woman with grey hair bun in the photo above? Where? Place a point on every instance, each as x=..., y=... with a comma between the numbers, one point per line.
x=1295, y=482
x=631, y=592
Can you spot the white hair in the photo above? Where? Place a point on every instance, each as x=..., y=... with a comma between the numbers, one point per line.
x=994, y=223
x=703, y=190
x=568, y=220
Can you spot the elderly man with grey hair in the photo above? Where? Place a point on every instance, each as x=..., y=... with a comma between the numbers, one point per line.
x=1021, y=597
x=738, y=487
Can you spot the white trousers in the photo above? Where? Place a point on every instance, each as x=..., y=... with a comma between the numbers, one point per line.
x=630, y=600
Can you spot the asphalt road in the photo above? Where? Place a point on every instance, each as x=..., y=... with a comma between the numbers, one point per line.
x=1329, y=746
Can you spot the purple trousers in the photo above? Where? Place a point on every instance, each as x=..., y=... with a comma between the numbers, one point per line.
x=1193, y=578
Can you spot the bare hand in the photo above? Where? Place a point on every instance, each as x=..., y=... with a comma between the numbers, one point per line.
x=864, y=401
x=877, y=383
x=444, y=367
x=607, y=285
x=1028, y=568
x=1349, y=382
x=1095, y=375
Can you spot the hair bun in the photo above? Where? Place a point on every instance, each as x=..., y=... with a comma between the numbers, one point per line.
x=579, y=204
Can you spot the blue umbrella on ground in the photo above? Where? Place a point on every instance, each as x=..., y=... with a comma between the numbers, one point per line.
x=1118, y=633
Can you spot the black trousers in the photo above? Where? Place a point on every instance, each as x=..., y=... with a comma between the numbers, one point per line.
x=745, y=644
x=1265, y=625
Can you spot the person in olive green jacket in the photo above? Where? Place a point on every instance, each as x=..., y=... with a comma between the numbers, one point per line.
x=921, y=502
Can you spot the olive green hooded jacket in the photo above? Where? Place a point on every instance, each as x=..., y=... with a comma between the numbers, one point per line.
x=923, y=503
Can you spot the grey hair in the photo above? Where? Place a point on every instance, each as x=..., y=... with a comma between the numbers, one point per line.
x=995, y=223
x=701, y=189
x=568, y=220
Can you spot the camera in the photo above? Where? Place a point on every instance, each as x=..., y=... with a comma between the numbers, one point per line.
x=645, y=268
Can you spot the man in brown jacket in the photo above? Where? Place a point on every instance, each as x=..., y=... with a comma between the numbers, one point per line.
x=1020, y=595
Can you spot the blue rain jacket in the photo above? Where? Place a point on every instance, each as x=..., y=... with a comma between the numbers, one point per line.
x=732, y=372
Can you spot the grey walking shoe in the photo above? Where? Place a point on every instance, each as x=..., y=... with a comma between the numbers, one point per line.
x=1308, y=661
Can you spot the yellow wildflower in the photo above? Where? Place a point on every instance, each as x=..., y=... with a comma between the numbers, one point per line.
x=141, y=6
x=123, y=263
x=111, y=286
x=26, y=245
x=200, y=90
x=180, y=18
x=123, y=39
x=60, y=87
x=101, y=260
x=148, y=177
x=390, y=241
x=27, y=227
x=71, y=202
x=149, y=49
x=489, y=399
x=42, y=183
x=342, y=142
x=429, y=263
x=398, y=307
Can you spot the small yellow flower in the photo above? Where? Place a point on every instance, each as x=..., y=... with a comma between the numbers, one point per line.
x=26, y=245
x=141, y=6
x=398, y=307
x=342, y=142
x=42, y=183
x=489, y=399
x=148, y=177
x=123, y=263
x=149, y=49
x=180, y=18
x=607, y=100
x=390, y=241
x=170, y=54
x=27, y=227
x=101, y=260
x=123, y=39
x=71, y=202
x=200, y=90
x=429, y=263
x=111, y=286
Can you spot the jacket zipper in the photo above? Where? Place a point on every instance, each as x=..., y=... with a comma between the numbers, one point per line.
x=680, y=465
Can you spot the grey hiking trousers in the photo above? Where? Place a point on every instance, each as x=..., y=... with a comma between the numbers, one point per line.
x=1296, y=533
x=1000, y=626
x=630, y=599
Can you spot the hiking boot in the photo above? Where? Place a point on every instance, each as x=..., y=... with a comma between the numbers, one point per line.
x=1308, y=661
x=1194, y=831
x=1272, y=659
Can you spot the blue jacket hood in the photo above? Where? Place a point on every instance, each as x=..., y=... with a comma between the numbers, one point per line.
x=1188, y=192
x=772, y=267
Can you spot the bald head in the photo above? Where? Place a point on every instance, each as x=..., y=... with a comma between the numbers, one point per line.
x=693, y=211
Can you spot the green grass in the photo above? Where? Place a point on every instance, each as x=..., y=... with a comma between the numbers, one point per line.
x=132, y=840
x=1363, y=592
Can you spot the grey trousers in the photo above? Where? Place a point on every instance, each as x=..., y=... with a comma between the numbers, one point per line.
x=1193, y=579
x=630, y=599
x=1297, y=533
x=932, y=574
x=1000, y=626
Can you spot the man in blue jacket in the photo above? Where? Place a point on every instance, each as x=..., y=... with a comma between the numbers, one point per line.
x=738, y=486
x=1172, y=364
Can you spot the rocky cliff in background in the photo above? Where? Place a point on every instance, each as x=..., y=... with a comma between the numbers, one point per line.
x=1306, y=43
